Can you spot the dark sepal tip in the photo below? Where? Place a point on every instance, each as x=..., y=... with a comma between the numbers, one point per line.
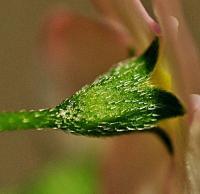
x=150, y=55
x=164, y=137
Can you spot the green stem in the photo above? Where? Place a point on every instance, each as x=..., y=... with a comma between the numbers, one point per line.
x=10, y=121
x=25, y=120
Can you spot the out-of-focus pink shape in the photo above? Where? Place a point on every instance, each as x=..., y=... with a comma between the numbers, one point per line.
x=195, y=100
x=77, y=49
x=153, y=25
x=193, y=151
x=133, y=15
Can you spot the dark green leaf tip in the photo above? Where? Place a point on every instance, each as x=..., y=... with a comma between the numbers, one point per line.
x=150, y=56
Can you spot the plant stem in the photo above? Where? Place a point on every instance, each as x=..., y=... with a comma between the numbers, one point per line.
x=21, y=120
x=25, y=120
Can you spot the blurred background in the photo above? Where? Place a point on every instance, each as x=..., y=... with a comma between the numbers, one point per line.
x=47, y=162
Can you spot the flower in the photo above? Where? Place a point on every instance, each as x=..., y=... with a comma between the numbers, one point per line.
x=79, y=48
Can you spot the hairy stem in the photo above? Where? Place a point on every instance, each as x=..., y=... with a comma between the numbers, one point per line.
x=25, y=120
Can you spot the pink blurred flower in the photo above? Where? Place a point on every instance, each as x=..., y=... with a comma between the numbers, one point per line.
x=76, y=49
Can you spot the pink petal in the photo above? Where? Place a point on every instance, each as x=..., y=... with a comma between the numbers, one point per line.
x=133, y=15
x=182, y=52
x=184, y=67
x=193, y=152
x=195, y=100
x=77, y=49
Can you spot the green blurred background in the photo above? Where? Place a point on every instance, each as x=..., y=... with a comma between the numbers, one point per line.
x=45, y=162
